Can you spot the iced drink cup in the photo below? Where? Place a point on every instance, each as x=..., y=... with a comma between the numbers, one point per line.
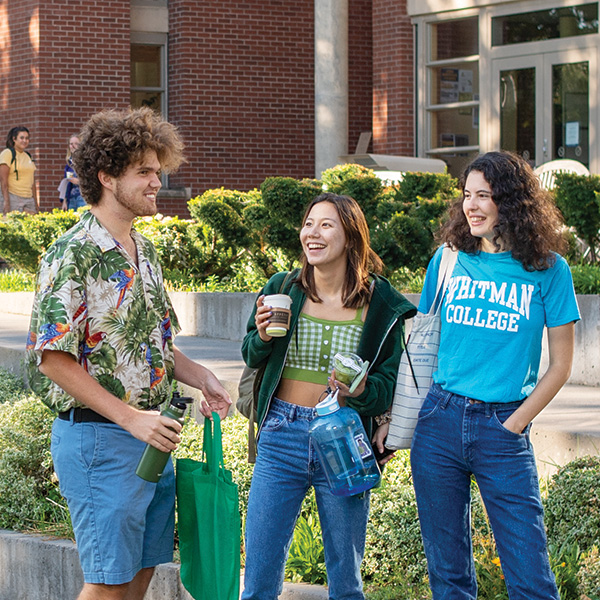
x=280, y=319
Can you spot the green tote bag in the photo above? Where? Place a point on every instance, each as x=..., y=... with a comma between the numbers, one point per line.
x=209, y=522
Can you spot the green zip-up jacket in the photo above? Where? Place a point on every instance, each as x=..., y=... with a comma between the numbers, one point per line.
x=380, y=343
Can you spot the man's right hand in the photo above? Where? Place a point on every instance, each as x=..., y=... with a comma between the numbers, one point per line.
x=154, y=429
x=148, y=426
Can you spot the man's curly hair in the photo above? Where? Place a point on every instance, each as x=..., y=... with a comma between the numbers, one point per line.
x=529, y=224
x=112, y=140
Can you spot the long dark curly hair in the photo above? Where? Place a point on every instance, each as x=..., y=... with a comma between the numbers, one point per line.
x=12, y=135
x=529, y=224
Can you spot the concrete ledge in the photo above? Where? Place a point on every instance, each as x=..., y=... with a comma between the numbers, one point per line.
x=12, y=360
x=219, y=315
x=34, y=567
x=223, y=316
x=554, y=449
x=37, y=568
x=18, y=303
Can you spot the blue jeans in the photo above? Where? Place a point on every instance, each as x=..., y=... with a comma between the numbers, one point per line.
x=457, y=437
x=286, y=467
x=75, y=201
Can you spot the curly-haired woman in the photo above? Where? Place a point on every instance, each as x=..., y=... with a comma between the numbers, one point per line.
x=508, y=284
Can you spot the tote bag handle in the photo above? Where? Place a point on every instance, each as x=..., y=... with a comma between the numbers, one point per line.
x=212, y=447
x=447, y=263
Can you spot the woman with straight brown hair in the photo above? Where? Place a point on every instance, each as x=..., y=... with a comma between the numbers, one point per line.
x=339, y=304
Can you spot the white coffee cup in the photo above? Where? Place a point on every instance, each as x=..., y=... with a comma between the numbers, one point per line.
x=280, y=319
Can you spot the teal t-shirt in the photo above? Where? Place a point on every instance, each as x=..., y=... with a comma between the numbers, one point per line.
x=493, y=316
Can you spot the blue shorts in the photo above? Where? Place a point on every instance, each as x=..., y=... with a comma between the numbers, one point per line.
x=122, y=523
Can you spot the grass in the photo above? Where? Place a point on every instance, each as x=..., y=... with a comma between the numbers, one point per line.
x=397, y=592
x=12, y=280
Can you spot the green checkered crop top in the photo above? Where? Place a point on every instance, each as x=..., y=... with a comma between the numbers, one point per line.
x=311, y=351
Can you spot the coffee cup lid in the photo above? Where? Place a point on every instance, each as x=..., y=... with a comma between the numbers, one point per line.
x=277, y=300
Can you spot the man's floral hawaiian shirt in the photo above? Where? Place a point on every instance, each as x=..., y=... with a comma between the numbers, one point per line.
x=113, y=317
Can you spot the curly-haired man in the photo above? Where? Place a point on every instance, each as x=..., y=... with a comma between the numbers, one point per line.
x=101, y=354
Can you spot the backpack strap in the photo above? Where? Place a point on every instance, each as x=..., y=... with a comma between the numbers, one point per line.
x=13, y=161
x=258, y=377
x=13, y=153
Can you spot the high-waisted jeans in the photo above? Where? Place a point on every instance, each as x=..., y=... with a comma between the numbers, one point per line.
x=457, y=437
x=286, y=467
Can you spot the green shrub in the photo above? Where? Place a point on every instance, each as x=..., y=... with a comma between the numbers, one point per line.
x=285, y=200
x=15, y=249
x=394, y=548
x=24, y=238
x=14, y=280
x=11, y=387
x=409, y=214
x=586, y=279
x=573, y=504
x=589, y=574
x=407, y=281
x=306, y=560
x=29, y=494
x=252, y=228
x=565, y=562
x=359, y=183
x=403, y=591
x=237, y=240
x=577, y=198
x=187, y=250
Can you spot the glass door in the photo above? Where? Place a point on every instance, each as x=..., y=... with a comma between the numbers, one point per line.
x=570, y=89
x=542, y=105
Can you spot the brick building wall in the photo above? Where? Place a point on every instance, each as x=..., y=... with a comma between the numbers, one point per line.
x=241, y=89
x=360, y=70
x=241, y=84
x=393, y=79
x=66, y=62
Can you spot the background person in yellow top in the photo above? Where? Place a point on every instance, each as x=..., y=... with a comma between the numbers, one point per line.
x=17, y=177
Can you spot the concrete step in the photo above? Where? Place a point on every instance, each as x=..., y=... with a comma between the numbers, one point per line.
x=35, y=567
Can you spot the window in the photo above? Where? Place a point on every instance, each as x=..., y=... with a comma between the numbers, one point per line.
x=147, y=76
x=542, y=25
x=453, y=91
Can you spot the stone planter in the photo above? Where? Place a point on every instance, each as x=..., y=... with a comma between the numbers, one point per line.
x=34, y=567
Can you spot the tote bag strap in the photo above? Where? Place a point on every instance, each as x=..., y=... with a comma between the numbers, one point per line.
x=213, y=443
x=447, y=263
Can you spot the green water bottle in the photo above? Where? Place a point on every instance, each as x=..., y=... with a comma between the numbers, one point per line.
x=153, y=461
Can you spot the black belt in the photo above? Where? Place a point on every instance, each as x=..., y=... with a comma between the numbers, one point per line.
x=83, y=415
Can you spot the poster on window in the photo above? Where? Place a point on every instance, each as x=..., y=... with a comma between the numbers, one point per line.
x=465, y=85
x=449, y=86
x=572, y=134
